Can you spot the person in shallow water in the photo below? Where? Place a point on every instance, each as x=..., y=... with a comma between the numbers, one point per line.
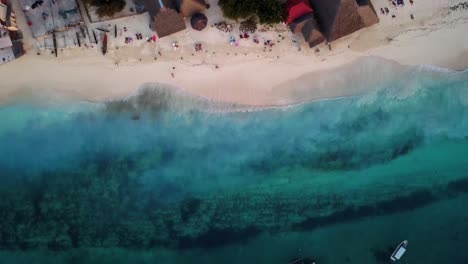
x=301, y=261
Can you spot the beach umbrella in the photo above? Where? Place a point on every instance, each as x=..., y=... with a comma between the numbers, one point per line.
x=199, y=21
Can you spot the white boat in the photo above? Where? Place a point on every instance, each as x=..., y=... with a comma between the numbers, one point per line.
x=399, y=251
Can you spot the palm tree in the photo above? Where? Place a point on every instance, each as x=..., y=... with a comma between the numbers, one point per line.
x=106, y=7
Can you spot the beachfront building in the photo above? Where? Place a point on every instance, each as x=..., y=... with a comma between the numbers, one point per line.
x=11, y=44
x=167, y=21
x=161, y=11
x=45, y=17
x=319, y=20
x=367, y=13
x=301, y=20
x=6, y=47
x=338, y=18
x=167, y=16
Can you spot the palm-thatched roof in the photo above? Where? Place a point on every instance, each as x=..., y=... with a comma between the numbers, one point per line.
x=190, y=7
x=153, y=6
x=367, y=12
x=168, y=22
x=311, y=32
x=199, y=21
x=308, y=27
x=338, y=18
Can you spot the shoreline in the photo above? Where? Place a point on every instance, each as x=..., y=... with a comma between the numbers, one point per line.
x=250, y=77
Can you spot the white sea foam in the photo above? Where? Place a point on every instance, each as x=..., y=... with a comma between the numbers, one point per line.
x=367, y=79
x=434, y=68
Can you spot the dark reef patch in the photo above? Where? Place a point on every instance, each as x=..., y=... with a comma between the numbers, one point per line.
x=217, y=237
x=406, y=147
x=341, y=154
x=408, y=202
x=120, y=200
x=114, y=209
x=338, y=155
x=382, y=256
x=460, y=186
x=189, y=207
x=367, y=120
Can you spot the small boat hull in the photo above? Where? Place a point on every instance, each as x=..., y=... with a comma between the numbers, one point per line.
x=399, y=251
x=104, y=44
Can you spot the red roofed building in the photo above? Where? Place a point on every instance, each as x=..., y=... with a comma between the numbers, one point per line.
x=300, y=19
x=296, y=9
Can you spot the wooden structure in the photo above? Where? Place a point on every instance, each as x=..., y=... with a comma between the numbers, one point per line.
x=199, y=21
x=190, y=7
x=301, y=20
x=338, y=18
x=167, y=21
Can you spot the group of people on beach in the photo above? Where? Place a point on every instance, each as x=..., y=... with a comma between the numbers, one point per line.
x=244, y=36
x=37, y=4
x=400, y=3
x=130, y=39
x=395, y=4
x=139, y=36
x=267, y=43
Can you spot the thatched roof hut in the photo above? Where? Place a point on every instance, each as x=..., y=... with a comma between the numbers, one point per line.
x=199, y=21
x=300, y=19
x=167, y=21
x=367, y=12
x=153, y=6
x=311, y=32
x=338, y=18
x=190, y=7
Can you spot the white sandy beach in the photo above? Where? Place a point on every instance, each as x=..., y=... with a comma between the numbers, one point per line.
x=245, y=74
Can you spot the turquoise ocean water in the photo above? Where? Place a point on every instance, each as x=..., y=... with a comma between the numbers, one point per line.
x=164, y=177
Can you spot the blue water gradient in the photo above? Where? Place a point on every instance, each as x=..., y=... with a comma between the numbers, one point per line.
x=167, y=171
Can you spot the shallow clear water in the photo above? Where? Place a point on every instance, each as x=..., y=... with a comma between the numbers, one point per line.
x=162, y=177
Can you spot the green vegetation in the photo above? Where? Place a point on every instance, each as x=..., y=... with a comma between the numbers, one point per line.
x=268, y=11
x=106, y=7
